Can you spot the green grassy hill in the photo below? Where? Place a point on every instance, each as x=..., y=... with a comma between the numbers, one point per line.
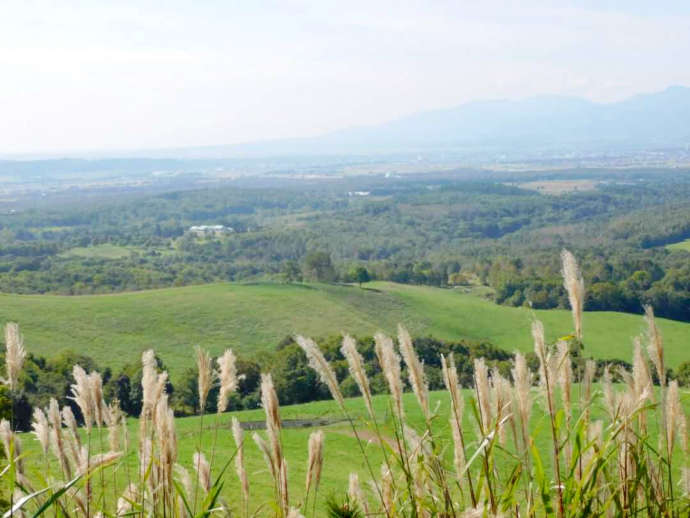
x=114, y=329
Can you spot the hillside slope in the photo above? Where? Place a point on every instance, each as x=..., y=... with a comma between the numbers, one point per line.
x=114, y=329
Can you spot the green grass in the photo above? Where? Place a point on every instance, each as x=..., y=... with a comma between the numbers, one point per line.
x=341, y=450
x=681, y=245
x=104, y=251
x=114, y=329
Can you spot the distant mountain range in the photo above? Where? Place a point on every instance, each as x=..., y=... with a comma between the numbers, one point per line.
x=543, y=126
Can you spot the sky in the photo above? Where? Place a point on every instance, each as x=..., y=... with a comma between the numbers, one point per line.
x=157, y=74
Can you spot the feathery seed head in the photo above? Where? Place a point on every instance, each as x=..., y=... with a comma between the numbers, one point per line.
x=15, y=354
x=415, y=370
x=203, y=471
x=390, y=365
x=228, y=378
x=238, y=436
x=356, y=366
x=318, y=362
x=315, y=459
x=205, y=375
x=82, y=395
x=41, y=429
x=655, y=345
x=522, y=378
x=575, y=286
x=481, y=386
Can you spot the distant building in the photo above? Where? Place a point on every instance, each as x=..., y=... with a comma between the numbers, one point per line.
x=358, y=193
x=210, y=230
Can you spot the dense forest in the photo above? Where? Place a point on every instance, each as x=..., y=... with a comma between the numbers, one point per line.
x=444, y=230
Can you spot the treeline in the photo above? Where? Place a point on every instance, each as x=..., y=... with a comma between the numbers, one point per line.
x=44, y=378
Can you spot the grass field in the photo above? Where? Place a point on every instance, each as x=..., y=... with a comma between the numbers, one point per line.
x=114, y=329
x=681, y=245
x=341, y=451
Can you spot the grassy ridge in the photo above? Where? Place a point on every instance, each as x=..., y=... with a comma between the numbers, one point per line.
x=114, y=329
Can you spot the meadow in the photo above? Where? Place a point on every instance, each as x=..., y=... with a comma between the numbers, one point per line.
x=341, y=451
x=113, y=329
x=683, y=246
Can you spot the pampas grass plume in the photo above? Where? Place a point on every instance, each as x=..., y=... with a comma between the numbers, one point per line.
x=415, y=370
x=318, y=362
x=227, y=373
x=15, y=354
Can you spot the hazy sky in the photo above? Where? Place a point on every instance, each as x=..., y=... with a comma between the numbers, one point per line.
x=140, y=74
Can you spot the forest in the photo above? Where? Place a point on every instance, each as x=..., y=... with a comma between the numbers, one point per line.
x=451, y=230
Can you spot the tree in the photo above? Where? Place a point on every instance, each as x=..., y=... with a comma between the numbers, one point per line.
x=360, y=274
x=683, y=374
x=292, y=272
x=317, y=266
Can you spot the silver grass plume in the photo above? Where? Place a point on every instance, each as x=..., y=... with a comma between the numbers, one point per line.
x=642, y=379
x=655, y=345
x=148, y=383
x=390, y=365
x=41, y=429
x=322, y=367
x=501, y=402
x=57, y=439
x=75, y=440
x=575, y=286
x=268, y=456
x=522, y=379
x=450, y=379
x=238, y=436
x=186, y=484
x=387, y=487
x=114, y=417
x=205, y=375
x=481, y=386
x=587, y=380
x=227, y=373
x=314, y=460
x=11, y=442
x=674, y=414
x=294, y=513
x=565, y=375
x=203, y=471
x=124, y=503
x=548, y=366
x=356, y=494
x=15, y=354
x=415, y=370
x=167, y=437
x=88, y=464
x=565, y=381
x=97, y=402
x=82, y=396
x=356, y=366
x=269, y=401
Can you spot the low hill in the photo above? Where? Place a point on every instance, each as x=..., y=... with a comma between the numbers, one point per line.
x=114, y=329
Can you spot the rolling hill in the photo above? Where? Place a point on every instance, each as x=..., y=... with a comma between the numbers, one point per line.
x=114, y=329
